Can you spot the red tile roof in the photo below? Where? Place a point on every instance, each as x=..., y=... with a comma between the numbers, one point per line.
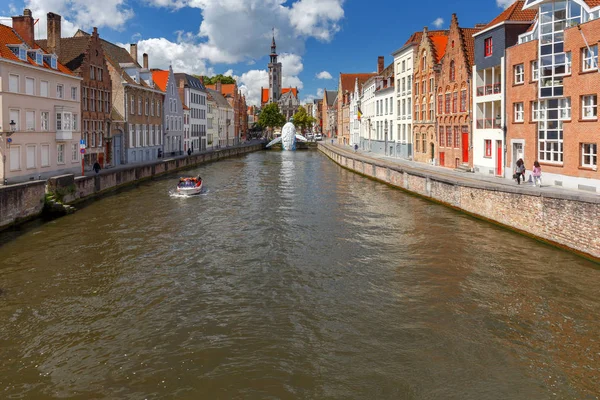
x=439, y=41
x=469, y=42
x=348, y=80
x=264, y=98
x=592, y=3
x=515, y=13
x=9, y=36
x=416, y=37
x=160, y=78
x=226, y=88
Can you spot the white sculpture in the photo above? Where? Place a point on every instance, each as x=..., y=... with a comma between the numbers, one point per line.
x=288, y=137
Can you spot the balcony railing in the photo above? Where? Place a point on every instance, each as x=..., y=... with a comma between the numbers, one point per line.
x=486, y=90
x=488, y=123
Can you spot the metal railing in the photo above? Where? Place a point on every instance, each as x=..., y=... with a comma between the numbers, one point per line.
x=486, y=90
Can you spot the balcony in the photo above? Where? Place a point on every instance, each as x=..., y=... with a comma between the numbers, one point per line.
x=488, y=123
x=487, y=90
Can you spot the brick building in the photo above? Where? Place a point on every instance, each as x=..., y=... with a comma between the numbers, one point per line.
x=427, y=70
x=327, y=109
x=552, y=93
x=346, y=85
x=240, y=109
x=453, y=99
x=84, y=56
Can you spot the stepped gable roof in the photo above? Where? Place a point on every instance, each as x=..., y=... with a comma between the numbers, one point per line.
x=265, y=93
x=160, y=78
x=469, y=43
x=72, y=51
x=218, y=98
x=514, y=13
x=9, y=36
x=416, y=37
x=347, y=81
x=331, y=95
x=227, y=89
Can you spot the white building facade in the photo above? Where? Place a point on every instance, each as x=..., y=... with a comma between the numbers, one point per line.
x=403, y=75
x=367, y=102
x=194, y=97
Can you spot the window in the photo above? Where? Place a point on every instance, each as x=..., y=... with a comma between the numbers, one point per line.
x=590, y=58
x=13, y=83
x=74, y=152
x=15, y=115
x=92, y=72
x=535, y=71
x=454, y=102
x=564, y=108
x=403, y=65
x=45, y=155
x=73, y=93
x=152, y=108
x=22, y=54
x=30, y=86
x=59, y=121
x=39, y=58
x=139, y=106
x=452, y=71
x=449, y=136
x=442, y=137
x=100, y=74
x=147, y=107
x=30, y=120
x=589, y=155
x=440, y=105
x=60, y=153
x=518, y=112
x=30, y=156
x=15, y=158
x=75, y=122
x=158, y=109
x=589, y=107
x=416, y=88
x=488, y=46
x=416, y=112
x=131, y=143
x=44, y=88
x=93, y=99
x=53, y=63
x=60, y=92
x=464, y=129
x=99, y=100
x=447, y=104
x=568, y=62
x=463, y=101
x=45, y=120
x=488, y=148
x=519, y=74
x=132, y=106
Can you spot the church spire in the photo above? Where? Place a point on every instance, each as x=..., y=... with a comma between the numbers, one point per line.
x=273, y=46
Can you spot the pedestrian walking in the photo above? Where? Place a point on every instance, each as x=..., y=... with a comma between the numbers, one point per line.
x=355, y=147
x=537, y=174
x=189, y=151
x=519, y=171
x=96, y=167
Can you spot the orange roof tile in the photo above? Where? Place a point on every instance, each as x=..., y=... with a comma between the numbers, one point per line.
x=9, y=36
x=264, y=98
x=348, y=80
x=160, y=78
x=415, y=38
x=515, y=13
x=469, y=43
x=439, y=41
x=592, y=3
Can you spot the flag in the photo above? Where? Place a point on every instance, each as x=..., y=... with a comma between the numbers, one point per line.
x=359, y=114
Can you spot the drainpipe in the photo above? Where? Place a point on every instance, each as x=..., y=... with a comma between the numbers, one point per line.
x=586, y=44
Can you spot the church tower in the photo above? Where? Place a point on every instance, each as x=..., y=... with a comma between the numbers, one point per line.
x=274, y=74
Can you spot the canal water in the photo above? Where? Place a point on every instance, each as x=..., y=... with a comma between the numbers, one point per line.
x=291, y=278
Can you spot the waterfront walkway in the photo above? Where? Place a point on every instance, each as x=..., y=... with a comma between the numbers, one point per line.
x=472, y=178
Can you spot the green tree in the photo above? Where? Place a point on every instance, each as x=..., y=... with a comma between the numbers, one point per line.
x=211, y=80
x=302, y=120
x=270, y=117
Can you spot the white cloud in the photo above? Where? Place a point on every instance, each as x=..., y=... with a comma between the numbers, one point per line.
x=504, y=3
x=324, y=75
x=438, y=22
x=310, y=98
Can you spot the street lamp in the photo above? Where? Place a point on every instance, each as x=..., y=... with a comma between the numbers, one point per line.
x=385, y=130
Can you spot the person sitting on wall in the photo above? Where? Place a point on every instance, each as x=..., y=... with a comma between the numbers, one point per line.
x=96, y=167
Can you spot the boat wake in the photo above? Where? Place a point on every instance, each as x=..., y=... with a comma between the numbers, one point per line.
x=175, y=194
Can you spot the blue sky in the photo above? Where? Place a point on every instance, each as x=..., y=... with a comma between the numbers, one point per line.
x=233, y=36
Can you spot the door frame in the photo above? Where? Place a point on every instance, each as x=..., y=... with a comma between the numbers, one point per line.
x=465, y=147
x=499, y=153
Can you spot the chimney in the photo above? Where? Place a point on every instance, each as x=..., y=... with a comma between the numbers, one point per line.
x=23, y=25
x=380, y=63
x=133, y=51
x=54, y=32
x=145, y=60
x=182, y=83
x=218, y=86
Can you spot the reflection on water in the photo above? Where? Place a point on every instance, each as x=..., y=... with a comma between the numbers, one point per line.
x=291, y=278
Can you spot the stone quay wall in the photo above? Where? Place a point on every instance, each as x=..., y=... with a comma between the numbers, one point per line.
x=569, y=220
x=21, y=202
x=25, y=201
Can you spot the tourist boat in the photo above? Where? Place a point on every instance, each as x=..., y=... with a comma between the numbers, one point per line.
x=189, y=185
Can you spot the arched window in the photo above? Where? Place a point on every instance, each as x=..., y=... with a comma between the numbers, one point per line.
x=424, y=61
x=452, y=71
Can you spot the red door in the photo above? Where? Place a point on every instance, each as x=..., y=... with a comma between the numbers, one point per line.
x=465, y=147
x=442, y=159
x=499, y=157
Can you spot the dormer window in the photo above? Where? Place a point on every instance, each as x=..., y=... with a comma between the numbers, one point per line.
x=39, y=58
x=22, y=54
x=53, y=62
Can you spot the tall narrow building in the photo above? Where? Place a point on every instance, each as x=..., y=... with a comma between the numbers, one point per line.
x=274, y=74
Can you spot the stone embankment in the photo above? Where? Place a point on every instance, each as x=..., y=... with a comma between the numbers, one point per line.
x=22, y=202
x=567, y=219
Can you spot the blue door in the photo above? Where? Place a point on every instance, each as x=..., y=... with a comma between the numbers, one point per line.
x=117, y=150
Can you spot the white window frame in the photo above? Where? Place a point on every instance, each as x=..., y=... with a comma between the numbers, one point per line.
x=592, y=153
x=589, y=107
x=30, y=84
x=17, y=119
x=45, y=151
x=15, y=149
x=44, y=120
x=74, y=152
x=519, y=74
x=60, y=91
x=589, y=61
x=27, y=148
x=519, y=112
x=74, y=93
x=29, y=122
x=44, y=88
x=535, y=70
x=13, y=79
x=60, y=153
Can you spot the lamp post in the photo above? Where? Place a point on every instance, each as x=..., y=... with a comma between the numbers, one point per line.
x=4, y=136
x=385, y=130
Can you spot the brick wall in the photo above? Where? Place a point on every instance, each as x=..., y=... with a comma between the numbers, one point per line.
x=21, y=202
x=565, y=220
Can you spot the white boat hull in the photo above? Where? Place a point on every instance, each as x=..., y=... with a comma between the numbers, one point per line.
x=189, y=190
